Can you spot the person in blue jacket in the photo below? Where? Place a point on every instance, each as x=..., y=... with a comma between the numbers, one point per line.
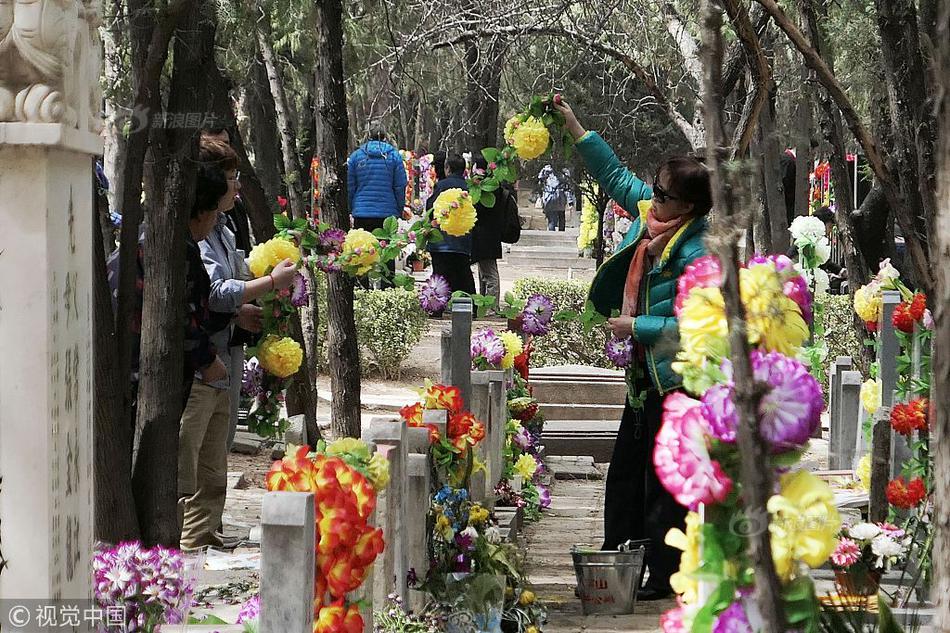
x=451, y=257
x=376, y=182
x=639, y=281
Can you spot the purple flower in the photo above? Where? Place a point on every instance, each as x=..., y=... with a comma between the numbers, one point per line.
x=619, y=351
x=544, y=496
x=331, y=240
x=783, y=263
x=790, y=410
x=298, y=294
x=250, y=610
x=796, y=289
x=488, y=347
x=732, y=620
x=720, y=412
x=537, y=314
x=522, y=439
x=435, y=294
x=253, y=377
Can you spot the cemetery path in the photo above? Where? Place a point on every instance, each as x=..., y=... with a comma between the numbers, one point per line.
x=576, y=516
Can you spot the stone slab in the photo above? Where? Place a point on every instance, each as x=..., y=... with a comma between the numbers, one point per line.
x=287, y=562
x=246, y=443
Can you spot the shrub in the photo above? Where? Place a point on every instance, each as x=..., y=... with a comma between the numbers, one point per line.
x=389, y=324
x=841, y=337
x=566, y=343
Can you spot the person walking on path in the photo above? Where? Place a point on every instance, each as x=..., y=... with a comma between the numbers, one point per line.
x=486, y=237
x=556, y=195
x=451, y=257
x=206, y=422
x=640, y=281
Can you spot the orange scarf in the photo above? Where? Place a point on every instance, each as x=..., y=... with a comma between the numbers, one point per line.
x=657, y=236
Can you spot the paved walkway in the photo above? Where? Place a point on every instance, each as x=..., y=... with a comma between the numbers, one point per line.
x=576, y=516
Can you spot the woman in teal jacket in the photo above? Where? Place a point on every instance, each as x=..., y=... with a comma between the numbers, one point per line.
x=639, y=282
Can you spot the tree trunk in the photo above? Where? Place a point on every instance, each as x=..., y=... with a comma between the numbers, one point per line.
x=774, y=194
x=114, y=503
x=263, y=133
x=858, y=270
x=940, y=387
x=332, y=125
x=726, y=186
x=803, y=135
x=155, y=474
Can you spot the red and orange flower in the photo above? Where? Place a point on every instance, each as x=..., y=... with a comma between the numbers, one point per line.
x=911, y=416
x=904, y=495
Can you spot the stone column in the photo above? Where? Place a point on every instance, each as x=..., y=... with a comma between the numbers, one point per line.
x=288, y=550
x=46, y=220
x=841, y=365
x=389, y=436
x=849, y=420
x=495, y=435
x=457, y=349
x=889, y=348
x=418, y=469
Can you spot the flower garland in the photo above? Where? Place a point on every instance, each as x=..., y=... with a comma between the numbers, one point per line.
x=345, y=480
x=587, y=234
x=814, y=250
x=696, y=454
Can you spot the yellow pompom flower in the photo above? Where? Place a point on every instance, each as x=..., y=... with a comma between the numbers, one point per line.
x=530, y=139
x=378, y=469
x=511, y=125
x=871, y=395
x=454, y=212
x=775, y=322
x=280, y=356
x=527, y=597
x=703, y=327
x=513, y=347
x=868, y=302
x=863, y=471
x=477, y=514
x=268, y=254
x=360, y=251
x=683, y=582
x=526, y=467
x=804, y=523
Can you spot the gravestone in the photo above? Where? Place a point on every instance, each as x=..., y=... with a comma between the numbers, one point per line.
x=288, y=550
x=849, y=420
x=498, y=421
x=389, y=436
x=418, y=469
x=482, y=486
x=457, y=349
x=889, y=347
x=49, y=104
x=841, y=365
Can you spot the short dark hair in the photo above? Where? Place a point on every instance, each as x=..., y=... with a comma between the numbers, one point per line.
x=375, y=131
x=438, y=163
x=689, y=181
x=214, y=127
x=825, y=215
x=210, y=186
x=217, y=153
x=455, y=163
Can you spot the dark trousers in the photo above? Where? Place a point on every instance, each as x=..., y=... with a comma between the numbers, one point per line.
x=371, y=224
x=457, y=270
x=556, y=219
x=637, y=506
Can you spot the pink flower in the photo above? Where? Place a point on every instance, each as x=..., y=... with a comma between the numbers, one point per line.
x=847, y=553
x=676, y=621
x=702, y=273
x=681, y=456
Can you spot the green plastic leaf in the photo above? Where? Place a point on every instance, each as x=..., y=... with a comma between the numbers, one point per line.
x=281, y=222
x=475, y=193
x=208, y=619
x=491, y=154
x=490, y=184
x=436, y=236
x=391, y=225
x=488, y=199
x=404, y=281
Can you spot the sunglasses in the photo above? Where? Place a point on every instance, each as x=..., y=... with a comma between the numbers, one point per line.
x=660, y=194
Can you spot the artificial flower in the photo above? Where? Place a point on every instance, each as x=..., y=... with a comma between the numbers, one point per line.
x=487, y=348
x=702, y=326
x=513, y=347
x=918, y=306
x=348, y=446
x=720, y=413
x=864, y=531
x=253, y=378
x=863, y=471
x=887, y=275
x=682, y=460
x=441, y=397
x=435, y=294
x=907, y=417
x=537, y=314
x=868, y=302
x=360, y=251
x=678, y=620
x=454, y=212
x=477, y=514
x=886, y=549
x=846, y=553
x=511, y=125
x=378, y=469
x=871, y=395
x=280, y=356
x=775, y=321
x=526, y=466
x=412, y=414
x=732, y=620
x=250, y=610
x=902, y=318
x=331, y=240
x=804, y=522
x=298, y=291
x=683, y=581
x=530, y=139
x=806, y=229
x=527, y=597
x=797, y=290
x=905, y=495
x=544, y=496
x=493, y=535
x=268, y=254
x=704, y=272
x=522, y=438
x=619, y=351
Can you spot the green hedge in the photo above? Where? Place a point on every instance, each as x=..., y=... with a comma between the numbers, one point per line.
x=567, y=343
x=389, y=324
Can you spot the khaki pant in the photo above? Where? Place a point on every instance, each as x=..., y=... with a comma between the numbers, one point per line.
x=203, y=464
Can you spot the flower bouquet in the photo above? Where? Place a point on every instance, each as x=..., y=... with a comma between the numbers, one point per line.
x=495, y=351
x=863, y=553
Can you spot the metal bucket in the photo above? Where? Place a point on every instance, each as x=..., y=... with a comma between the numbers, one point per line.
x=608, y=580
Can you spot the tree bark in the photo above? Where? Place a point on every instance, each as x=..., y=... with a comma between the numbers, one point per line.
x=756, y=481
x=263, y=133
x=332, y=125
x=154, y=479
x=940, y=386
x=772, y=179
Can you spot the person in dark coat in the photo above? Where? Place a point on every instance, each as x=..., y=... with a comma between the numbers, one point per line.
x=451, y=257
x=376, y=181
x=486, y=237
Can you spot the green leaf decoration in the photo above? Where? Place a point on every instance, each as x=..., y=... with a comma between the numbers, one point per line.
x=281, y=222
x=488, y=199
x=475, y=193
x=721, y=597
x=490, y=184
x=391, y=225
x=491, y=154
x=436, y=236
